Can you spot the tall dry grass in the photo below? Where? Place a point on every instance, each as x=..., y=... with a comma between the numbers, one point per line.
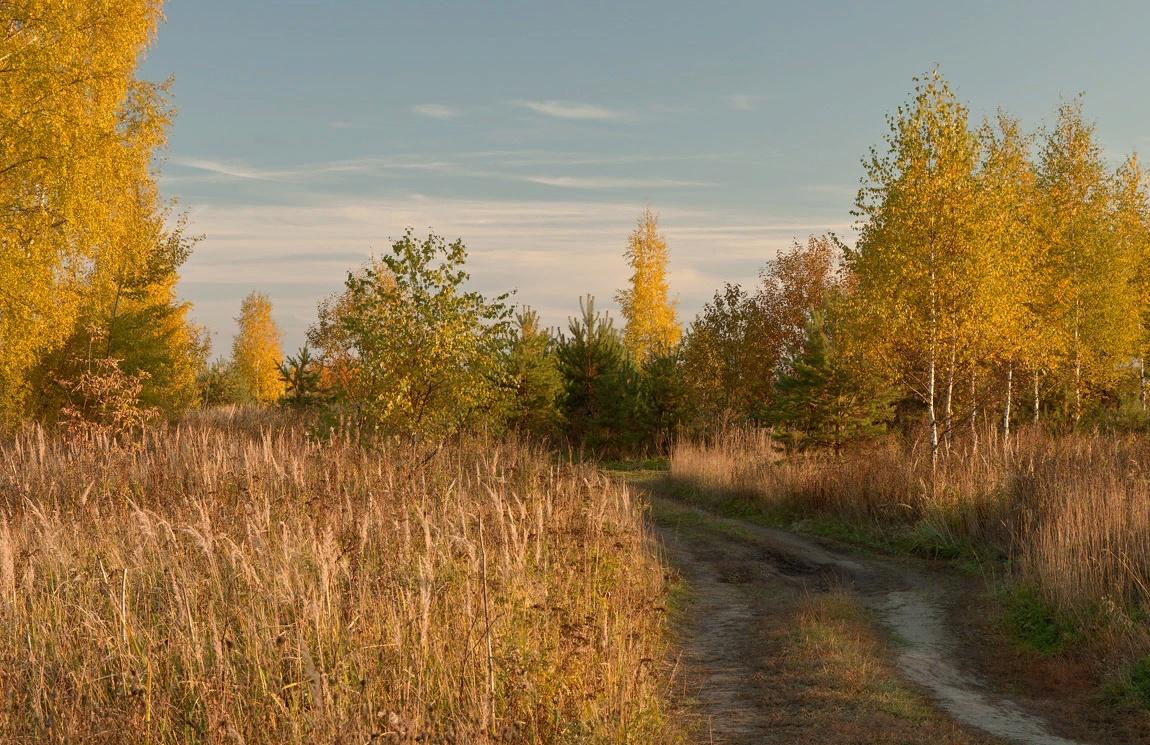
x=1072, y=514
x=212, y=585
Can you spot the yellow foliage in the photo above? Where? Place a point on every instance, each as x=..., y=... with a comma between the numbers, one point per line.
x=256, y=352
x=79, y=132
x=650, y=315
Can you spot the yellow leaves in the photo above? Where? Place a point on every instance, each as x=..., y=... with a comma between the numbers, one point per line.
x=256, y=352
x=652, y=326
x=74, y=182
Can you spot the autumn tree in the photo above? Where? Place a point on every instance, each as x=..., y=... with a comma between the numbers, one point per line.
x=1094, y=311
x=914, y=260
x=651, y=326
x=421, y=355
x=792, y=288
x=77, y=200
x=725, y=373
x=256, y=352
x=741, y=342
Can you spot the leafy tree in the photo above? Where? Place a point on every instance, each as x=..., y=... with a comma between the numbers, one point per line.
x=77, y=198
x=601, y=388
x=421, y=357
x=651, y=327
x=792, y=287
x=1094, y=312
x=1131, y=216
x=740, y=343
x=822, y=402
x=725, y=371
x=914, y=262
x=256, y=353
x=533, y=378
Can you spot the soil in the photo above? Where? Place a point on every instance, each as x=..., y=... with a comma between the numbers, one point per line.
x=785, y=639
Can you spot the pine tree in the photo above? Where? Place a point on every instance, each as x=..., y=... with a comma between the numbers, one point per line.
x=822, y=402
x=601, y=394
x=302, y=378
x=533, y=378
x=256, y=352
x=651, y=326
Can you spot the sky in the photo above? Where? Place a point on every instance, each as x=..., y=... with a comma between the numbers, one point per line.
x=311, y=134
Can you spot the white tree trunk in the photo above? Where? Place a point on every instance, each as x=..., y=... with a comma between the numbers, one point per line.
x=1006, y=407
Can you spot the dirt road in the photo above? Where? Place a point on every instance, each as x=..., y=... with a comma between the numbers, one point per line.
x=784, y=640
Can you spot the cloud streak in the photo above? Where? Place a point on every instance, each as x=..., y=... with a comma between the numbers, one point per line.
x=578, y=182
x=435, y=111
x=571, y=110
x=553, y=251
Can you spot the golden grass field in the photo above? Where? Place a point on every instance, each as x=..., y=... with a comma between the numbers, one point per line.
x=229, y=581
x=1069, y=516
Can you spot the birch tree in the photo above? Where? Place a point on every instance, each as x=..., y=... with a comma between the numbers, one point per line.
x=1093, y=310
x=913, y=260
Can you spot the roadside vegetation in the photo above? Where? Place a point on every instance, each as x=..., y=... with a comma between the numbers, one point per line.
x=218, y=582
x=401, y=529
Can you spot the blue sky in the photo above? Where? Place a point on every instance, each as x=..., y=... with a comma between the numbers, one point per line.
x=309, y=133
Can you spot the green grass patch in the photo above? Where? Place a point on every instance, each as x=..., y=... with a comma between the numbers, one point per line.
x=1035, y=623
x=661, y=463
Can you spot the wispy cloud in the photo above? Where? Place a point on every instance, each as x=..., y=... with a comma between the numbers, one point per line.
x=553, y=251
x=228, y=170
x=571, y=110
x=435, y=111
x=743, y=101
x=212, y=169
x=578, y=182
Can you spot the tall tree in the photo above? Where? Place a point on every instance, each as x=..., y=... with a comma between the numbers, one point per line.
x=256, y=351
x=1094, y=310
x=1006, y=330
x=913, y=261
x=79, y=134
x=1131, y=225
x=651, y=326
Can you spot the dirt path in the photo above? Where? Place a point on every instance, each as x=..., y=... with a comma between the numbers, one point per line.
x=780, y=645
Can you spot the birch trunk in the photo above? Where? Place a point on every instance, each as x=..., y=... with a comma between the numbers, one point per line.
x=1006, y=407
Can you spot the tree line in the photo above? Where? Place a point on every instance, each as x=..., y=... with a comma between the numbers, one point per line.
x=998, y=276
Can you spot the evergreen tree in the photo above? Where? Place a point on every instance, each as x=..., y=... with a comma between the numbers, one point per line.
x=535, y=384
x=301, y=375
x=821, y=402
x=601, y=394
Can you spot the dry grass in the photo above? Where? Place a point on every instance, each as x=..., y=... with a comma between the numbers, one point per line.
x=211, y=585
x=1072, y=513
